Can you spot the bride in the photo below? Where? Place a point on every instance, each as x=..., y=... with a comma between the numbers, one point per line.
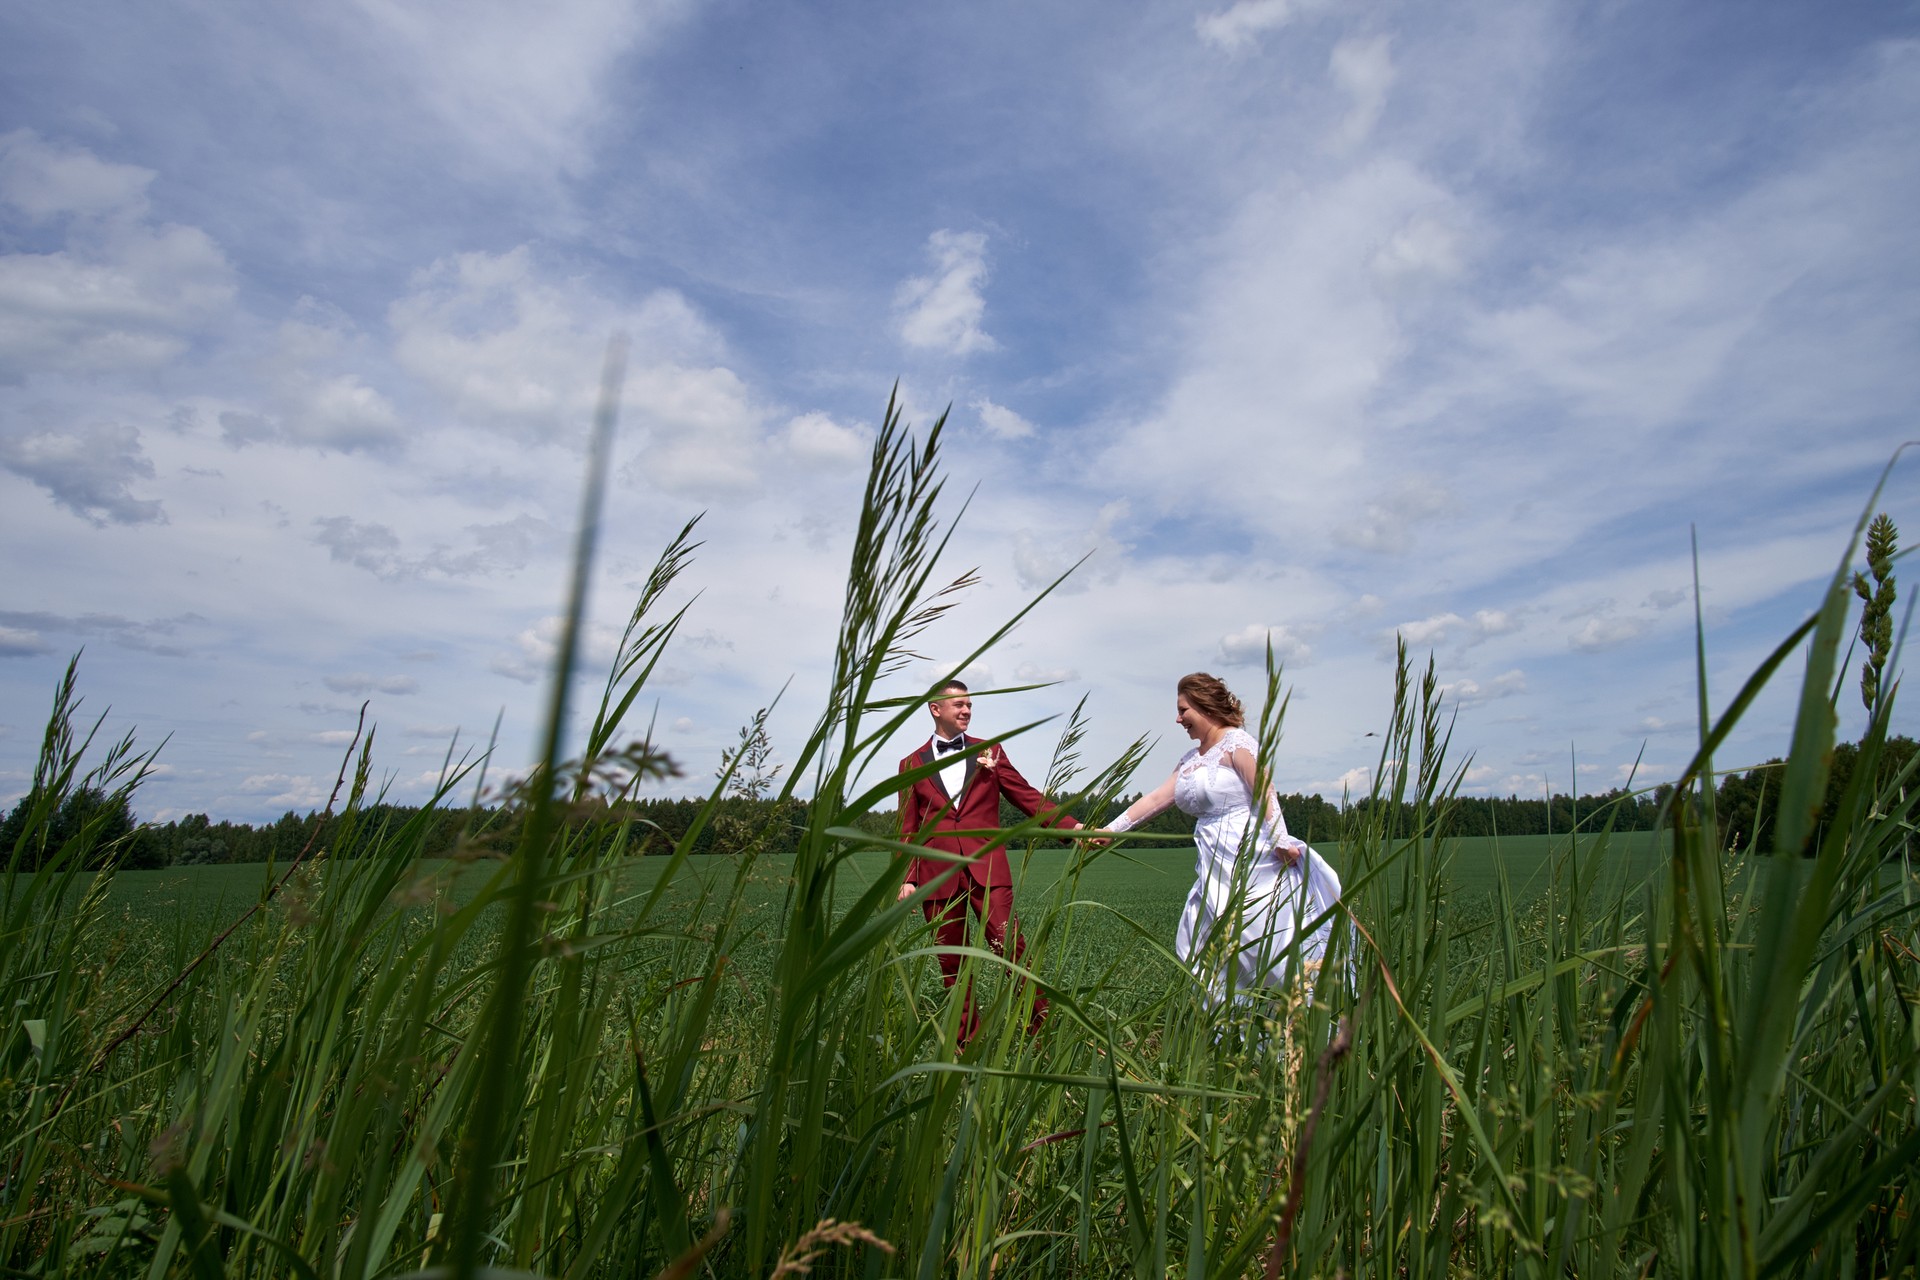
x=1255, y=886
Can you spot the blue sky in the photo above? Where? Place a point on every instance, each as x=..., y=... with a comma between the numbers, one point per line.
x=1313, y=321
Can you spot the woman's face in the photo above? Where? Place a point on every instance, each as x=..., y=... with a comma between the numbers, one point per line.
x=1197, y=723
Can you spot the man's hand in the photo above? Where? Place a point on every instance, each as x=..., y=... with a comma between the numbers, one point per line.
x=906, y=891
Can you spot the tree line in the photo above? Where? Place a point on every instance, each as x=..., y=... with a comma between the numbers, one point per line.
x=1746, y=802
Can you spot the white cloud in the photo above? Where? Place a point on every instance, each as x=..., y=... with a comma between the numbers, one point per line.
x=976, y=675
x=283, y=790
x=518, y=352
x=493, y=549
x=122, y=293
x=1248, y=646
x=503, y=346
x=1469, y=693
x=535, y=648
x=1355, y=782
x=1430, y=631
x=315, y=397
x=46, y=182
x=1279, y=365
x=942, y=311
x=523, y=87
x=1296, y=293
x=1423, y=248
x=1493, y=622
x=1441, y=628
x=1665, y=598
x=1035, y=673
x=704, y=431
x=155, y=635
x=1238, y=27
x=1001, y=422
x=1039, y=558
x=359, y=682
x=87, y=469
x=1607, y=632
x=1388, y=525
x=337, y=413
x=817, y=440
x=18, y=642
x=1363, y=67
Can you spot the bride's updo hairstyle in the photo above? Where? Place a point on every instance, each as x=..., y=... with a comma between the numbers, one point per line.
x=1210, y=696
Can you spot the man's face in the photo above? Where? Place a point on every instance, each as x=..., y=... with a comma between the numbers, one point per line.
x=952, y=713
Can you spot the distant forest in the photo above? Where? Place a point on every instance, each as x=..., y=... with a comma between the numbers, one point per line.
x=1745, y=803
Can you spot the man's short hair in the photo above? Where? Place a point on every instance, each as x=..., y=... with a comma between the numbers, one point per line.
x=953, y=684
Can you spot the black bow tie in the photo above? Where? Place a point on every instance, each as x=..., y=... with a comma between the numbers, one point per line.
x=958, y=744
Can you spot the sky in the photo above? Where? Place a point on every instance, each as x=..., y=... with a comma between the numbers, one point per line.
x=1315, y=323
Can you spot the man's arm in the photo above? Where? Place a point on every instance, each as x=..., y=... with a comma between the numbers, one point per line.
x=909, y=823
x=1029, y=799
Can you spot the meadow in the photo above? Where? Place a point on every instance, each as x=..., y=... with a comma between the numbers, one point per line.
x=1634, y=1057
x=1147, y=886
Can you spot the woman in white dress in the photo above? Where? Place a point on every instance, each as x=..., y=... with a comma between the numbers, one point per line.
x=1256, y=888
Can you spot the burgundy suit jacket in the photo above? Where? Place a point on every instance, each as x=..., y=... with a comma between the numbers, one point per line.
x=922, y=821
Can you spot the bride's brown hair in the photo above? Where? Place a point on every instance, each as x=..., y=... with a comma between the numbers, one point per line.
x=1210, y=696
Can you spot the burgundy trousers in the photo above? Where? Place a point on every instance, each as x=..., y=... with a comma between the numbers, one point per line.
x=948, y=916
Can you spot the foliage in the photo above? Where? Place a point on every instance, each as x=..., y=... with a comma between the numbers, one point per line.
x=1876, y=618
x=106, y=819
x=662, y=821
x=747, y=769
x=559, y=1071
x=1747, y=802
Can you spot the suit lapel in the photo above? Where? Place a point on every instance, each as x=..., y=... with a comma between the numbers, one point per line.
x=928, y=756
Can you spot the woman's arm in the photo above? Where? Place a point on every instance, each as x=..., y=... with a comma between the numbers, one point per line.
x=1273, y=824
x=1156, y=801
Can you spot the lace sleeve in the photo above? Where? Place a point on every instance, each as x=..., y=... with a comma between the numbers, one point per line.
x=1274, y=833
x=1273, y=829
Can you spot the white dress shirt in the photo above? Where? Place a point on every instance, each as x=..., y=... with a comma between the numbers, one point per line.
x=953, y=774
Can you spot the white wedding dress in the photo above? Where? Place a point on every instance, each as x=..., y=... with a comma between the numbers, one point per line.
x=1246, y=907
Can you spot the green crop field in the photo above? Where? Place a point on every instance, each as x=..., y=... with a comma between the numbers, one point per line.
x=1146, y=883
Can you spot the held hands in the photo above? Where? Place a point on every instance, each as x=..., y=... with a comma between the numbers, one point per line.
x=906, y=891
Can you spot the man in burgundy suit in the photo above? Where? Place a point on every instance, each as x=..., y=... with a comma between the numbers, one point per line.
x=964, y=795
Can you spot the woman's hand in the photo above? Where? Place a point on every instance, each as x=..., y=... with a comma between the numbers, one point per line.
x=1287, y=854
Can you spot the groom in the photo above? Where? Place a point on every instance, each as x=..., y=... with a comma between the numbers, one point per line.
x=963, y=794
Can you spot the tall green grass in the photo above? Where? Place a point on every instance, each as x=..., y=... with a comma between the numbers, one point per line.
x=1709, y=1071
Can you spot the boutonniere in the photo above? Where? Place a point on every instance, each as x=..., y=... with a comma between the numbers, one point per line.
x=989, y=758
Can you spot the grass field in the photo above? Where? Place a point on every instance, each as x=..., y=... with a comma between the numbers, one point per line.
x=573, y=1064
x=1147, y=883
x=1123, y=901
